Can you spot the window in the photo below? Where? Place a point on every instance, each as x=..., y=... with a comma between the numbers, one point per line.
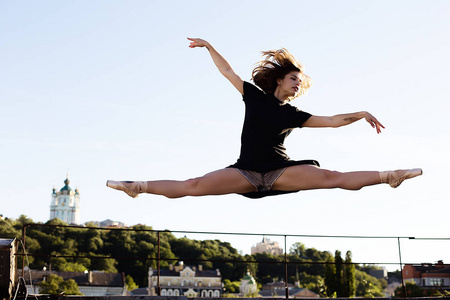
x=436, y=281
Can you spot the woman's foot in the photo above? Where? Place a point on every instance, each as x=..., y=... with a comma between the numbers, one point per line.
x=131, y=188
x=395, y=178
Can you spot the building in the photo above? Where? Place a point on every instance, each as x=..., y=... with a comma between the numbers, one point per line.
x=428, y=275
x=248, y=285
x=381, y=273
x=108, y=223
x=186, y=281
x=65, y=204
x=90, y=283
x=278, y=290
x=8, y=265
x=267, y=246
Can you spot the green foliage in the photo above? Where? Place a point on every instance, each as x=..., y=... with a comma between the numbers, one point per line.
x=442, y=293
x=7, y=229
x=311, y=282
x=367, y=286
x=349, y=276
x=131, y=285
x=413, y=290
x=330, y=284
x=141, y=244
x=231, y=286
x=55, y=285
x=340, y=276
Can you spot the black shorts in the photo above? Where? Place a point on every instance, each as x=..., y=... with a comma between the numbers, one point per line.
x=263, y=181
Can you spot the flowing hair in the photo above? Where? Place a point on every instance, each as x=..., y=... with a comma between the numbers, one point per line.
x=274, y=65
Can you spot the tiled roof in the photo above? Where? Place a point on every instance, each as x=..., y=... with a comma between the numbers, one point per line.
x=203, y=273
x=81, y=278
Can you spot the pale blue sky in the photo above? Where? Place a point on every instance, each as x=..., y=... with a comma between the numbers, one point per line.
x=110, y=90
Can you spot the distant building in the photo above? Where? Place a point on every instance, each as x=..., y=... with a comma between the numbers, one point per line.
x=382, y=273
x=186, y=281
x=65, y=204
x=278, y=290
x=248, y=285
x=275, y=288
x=91, y=283
x=428, y=275
x=108, y=223
x=267, y=246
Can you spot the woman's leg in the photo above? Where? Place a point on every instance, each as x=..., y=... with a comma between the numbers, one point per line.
x=225, y=181
x=307, y=177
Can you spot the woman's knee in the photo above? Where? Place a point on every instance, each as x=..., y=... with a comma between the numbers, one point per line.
x=337, y=179
x=193, y=186
x=332, y=179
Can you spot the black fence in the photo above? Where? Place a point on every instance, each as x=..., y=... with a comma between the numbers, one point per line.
x=22, y=252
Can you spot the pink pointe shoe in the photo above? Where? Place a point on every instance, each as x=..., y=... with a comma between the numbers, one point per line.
x=395, y=178
x=131, y=188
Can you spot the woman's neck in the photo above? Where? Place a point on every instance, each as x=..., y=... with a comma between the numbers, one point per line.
x=280, y=96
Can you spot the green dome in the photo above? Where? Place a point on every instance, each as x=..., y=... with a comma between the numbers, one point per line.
x=249, y=278
x=66, y=186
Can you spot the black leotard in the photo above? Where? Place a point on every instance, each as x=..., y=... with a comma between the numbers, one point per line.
x=267, y=123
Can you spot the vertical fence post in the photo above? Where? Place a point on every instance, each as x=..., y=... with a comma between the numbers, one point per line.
x=286, y=269
x=159, y=263
x=23, y=246
x=401, y=269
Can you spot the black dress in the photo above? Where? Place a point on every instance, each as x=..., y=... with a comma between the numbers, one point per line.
x=267, y=123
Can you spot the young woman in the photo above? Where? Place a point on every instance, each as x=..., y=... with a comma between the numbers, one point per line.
x=263, y=167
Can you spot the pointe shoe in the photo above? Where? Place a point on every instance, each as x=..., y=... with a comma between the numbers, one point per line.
x=131, y=188
x=395, y=178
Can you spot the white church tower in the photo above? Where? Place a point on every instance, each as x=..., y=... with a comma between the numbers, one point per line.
x=65, y=204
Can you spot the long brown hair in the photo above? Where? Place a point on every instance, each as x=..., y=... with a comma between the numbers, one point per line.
x=274, y=65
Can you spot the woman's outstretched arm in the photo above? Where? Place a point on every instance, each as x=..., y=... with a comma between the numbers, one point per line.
x=221, y=63
x=342, y=120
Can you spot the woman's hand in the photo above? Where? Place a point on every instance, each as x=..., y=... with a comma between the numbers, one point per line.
x=198, y=43
x=220, y=62
x=373, y=121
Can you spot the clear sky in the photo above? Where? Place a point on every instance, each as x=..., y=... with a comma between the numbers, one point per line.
x=111, y=90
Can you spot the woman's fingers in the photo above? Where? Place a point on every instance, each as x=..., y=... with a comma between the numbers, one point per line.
x=374, y=122
x=196, y=43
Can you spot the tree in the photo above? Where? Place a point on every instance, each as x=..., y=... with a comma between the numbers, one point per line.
x=55, y=285
x=7, y=229
x=231, y=286
x=413, y=290
x=349, y=276
x=70, y=287
x=339, y=274
x=298, y=249
x=131, y=285
x=366, y=285
x=330, y=284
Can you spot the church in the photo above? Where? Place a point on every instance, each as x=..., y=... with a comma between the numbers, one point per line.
x=65, y=204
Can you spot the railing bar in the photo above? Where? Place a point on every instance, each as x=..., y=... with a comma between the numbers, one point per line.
x=216, y=260
x=234, y=233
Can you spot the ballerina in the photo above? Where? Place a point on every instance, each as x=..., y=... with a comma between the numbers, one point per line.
x=264, y=168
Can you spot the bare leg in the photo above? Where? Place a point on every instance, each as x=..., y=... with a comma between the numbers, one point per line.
x=295, y=178
x=225, y=181
x=306, y=177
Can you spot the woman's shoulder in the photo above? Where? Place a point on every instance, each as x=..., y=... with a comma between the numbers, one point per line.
x=252, y=91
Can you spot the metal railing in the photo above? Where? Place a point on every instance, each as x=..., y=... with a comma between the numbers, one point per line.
x=286, y=262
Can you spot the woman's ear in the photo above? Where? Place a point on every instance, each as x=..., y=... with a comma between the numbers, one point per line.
x=279, y=81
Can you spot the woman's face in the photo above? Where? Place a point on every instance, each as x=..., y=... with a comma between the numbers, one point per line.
x=290, y=84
